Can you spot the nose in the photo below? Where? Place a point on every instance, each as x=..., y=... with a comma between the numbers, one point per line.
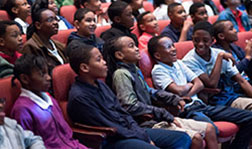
x=48, y=77
x=20, y=38
x=104, y=62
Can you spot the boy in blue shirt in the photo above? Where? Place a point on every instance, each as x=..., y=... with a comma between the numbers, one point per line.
x=92, y=102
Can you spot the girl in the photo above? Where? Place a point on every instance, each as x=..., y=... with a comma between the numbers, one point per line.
x=136, y=97
x=44, y=26
x=35, y=109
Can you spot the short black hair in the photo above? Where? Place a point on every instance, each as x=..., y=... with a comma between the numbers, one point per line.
x=204, y=25
x=116, y=9
x=218, y=27
x=4, y=25
x=223, y=3
x=248, y=5
x=79, y=3
x=157, y=3
x=140, y=20
x=8, y=7
x=26, y=63
x=153, y=45
x=80, y=13
x=194, y=8
x=172, y=6
x=78, y=52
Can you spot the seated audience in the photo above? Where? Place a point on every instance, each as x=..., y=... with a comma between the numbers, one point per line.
x=148, y=27
x=216, y=69
x=44, y=26
x=18, y=11
x=84, y=22
x=134, y=95
x=92, y=102
x=179, y=29
x=37, y=110
x=198, y=12
x=174, y=76
x=188, y=4
x=161, y=9
x=14, y=136
x=239, y=18
x=120, y=13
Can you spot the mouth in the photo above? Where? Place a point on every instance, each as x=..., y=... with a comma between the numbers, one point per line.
x=92, y=29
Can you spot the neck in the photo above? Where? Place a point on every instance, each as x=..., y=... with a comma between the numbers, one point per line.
x=233, y=8
x=88, y=79
x=8, y=52
x=176, y=26
x=82, y=35
x=225, y=45
x=35, y=92
x=44, y=39
x=207, y=56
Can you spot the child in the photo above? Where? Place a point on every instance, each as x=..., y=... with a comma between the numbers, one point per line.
x=133, y=94
x=248, y=6
x=198, y=12
x=239, y=18
x=92, y=102
x=161, y=7
x=174, y=76
x=137, y=6
x=84, y=22
x=35, y=109
x=10, y=41
x=214, y=68
x=44, y=26
x=18, y=11
x=179, y=29
x=225, y=35
x=14, y=136
x=188, y=4
x=148, y=26
x=120, y=13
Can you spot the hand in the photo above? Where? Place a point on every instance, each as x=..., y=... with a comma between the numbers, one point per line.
x=177, y=123
x=187, y=99
x=181, y=105
x=187, y=24
x=248, y=49
x=228, y=56
x=152, y=143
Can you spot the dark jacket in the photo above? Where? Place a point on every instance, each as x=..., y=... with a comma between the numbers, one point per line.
x=118, y=30
x=93, y=40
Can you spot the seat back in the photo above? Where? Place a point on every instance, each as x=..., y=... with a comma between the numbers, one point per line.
x=62, y=35
x=63, y=77
x=213, y=19
x=99, y=30
x=183, y=48
x=148, y=6
x=9, y=92
x=4, y=15
x=242, y=37
x=68, y=12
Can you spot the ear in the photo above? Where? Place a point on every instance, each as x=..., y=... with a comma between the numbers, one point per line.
x=117, y=19
x=24, y=79
x=157, y=55
x=37, y=25
x=119, y=55
x=221, y=36
x=84, y=68
x=76, y=24
x=142, y=27
x=15, y=10
x=2, y=42
x=170, y=15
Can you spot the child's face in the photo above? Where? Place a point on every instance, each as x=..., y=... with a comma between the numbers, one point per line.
x=127, y=19
x=87, y=25
x=150, y=24
x=97, y=67
x=202, y=40
x=23, y=9
x=200, y=15
x=229, y=32
x=94, y=5
x=166, y=51
x=179, y=15
x=48, y=23
x=39, y=80
x=136, y=4
x=233, y=3
x=52, y=6
x=129, y=53
x=12, y=40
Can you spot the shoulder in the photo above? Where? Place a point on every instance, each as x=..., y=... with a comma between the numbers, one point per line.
x=121, y=72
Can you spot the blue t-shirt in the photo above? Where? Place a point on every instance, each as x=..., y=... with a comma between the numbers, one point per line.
x=199, y=66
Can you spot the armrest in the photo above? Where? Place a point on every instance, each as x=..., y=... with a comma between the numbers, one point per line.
x=107, y=130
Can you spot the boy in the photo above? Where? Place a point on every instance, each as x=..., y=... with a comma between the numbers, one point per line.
x=137, y=6
x=19, y=10
x=84, y=22
x=188, y=4
x=214, y=68
x=10, y=41
x=148, y=26
x=174, y=76
x=92, y=102
x=179, y=29
x=225, y=35
x=198, y=12
x=239, y=18
x=37, y=110
x=120, y=13
x=13, y=136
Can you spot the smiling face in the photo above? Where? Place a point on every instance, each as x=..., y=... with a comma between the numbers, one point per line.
x=87, y=25
x=129, y=53
x=178, y=16
x=202, y=41
x=150, y=24
x=200, y=15
x=166, y=52
x=12, y=40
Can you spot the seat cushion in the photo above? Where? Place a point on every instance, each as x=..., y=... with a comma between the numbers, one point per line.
x=226, y=129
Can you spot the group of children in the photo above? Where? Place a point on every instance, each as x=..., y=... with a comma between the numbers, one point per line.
x=139, y=113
